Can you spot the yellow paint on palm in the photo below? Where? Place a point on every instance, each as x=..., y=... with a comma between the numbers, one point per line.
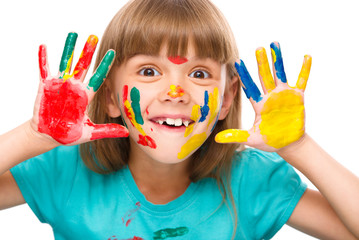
x=232, y=135
x=192, y=144
x=132, y=118
x=194, y=117
x=264, y=70
x=213, y=105
x=282, y=118
x=304, y=73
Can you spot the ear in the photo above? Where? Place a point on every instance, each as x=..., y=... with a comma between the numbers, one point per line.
x=112, y=102
x=229, y=95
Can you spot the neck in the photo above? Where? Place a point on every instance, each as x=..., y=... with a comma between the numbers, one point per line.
x=159, y=182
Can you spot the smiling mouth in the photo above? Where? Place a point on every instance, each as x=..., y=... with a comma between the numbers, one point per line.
x=173, y=122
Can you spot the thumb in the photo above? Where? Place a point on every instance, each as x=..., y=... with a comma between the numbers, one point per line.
x=109, y=130
x=232, y=135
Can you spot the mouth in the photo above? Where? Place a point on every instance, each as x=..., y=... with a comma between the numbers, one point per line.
x=172, y=123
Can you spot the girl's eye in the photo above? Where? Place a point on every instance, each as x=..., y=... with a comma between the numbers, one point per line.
x=149, y=72
x=199, y=74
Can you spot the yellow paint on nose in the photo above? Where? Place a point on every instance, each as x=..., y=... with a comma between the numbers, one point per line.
x=282, y=118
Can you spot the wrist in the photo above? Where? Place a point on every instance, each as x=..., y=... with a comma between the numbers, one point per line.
x=33, y=135
x=294, y=149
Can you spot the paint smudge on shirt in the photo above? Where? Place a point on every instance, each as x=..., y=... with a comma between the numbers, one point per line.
x=170, y=233
x=128, y=217
x=176, y=91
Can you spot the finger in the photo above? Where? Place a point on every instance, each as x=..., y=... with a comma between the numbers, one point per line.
x=109, y=130
x=278, y=67
x=43, y=63
x=232, y=135
x=250, y=88
x=304, y=73
x=264, y=70
x=101, y=72
x=85, y=58
x=67, y=55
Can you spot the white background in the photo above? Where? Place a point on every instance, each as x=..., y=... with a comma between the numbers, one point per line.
x=325, y=29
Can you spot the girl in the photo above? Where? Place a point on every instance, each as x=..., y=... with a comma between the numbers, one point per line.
x=172, y=79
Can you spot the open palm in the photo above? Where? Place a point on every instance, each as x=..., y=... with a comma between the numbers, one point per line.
x=61, y=106
x=280, y=115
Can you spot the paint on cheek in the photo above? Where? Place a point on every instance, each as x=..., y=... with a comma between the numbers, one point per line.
x=213, y=104
x=192, y=144
x=135, y=104
x=143, y=138
x=178, y=59
x=176, y=91
x=170, y=233
x=194, y=117
x=85, y=57
x=204, y=108
x=64, y=125
x=282, y=118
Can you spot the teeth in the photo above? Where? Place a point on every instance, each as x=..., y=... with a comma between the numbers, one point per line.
x=170, y=121
x=178, y=122
x=186, y=123
x=174, y=122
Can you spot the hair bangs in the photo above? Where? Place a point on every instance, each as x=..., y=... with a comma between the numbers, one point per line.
x=149, y=29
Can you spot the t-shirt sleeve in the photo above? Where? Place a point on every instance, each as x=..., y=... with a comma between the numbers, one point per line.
x=45, y=181
x=268, y=192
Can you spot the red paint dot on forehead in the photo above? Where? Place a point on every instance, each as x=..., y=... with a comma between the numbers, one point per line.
x=178, y=59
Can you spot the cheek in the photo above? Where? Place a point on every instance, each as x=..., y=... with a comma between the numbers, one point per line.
x=133, y=113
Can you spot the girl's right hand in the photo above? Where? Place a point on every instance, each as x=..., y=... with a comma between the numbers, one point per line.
x=60, y=110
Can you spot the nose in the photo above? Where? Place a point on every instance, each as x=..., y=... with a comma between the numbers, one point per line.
x=174, y=93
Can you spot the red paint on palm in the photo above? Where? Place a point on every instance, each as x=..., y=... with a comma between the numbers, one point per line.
x=43, y=62
x=62, y=110
x=86, y=57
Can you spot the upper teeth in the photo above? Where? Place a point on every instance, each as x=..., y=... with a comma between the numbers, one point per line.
x=176, y=122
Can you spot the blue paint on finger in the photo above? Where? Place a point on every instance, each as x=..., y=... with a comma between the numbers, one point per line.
x=250, y=88
x=278, y=62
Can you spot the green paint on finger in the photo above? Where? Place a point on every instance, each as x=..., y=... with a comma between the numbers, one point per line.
x=101, y=71
x=170, y=233
x=68, y=52
x=135, y=104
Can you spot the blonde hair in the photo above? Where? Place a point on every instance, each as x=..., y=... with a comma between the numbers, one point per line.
x=144, y=27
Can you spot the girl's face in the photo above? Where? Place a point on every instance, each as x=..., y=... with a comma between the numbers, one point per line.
x=169, y=104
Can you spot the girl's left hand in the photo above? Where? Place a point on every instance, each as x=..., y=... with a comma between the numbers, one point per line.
x=280, y=115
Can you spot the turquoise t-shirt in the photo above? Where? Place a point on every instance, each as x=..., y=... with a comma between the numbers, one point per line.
x=81, y=204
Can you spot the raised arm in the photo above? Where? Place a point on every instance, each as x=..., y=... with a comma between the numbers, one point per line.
x=332, y=213
x=60, y=112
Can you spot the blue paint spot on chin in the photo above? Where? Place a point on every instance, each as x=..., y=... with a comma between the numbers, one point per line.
x=204, y=108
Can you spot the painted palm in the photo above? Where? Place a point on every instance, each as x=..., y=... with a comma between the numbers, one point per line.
x=61, y=105
x=280, y=113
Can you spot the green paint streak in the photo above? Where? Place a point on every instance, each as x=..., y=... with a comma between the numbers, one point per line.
x=135, y=104
x=169, y=233
x=101, y=72
x=68, y=50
